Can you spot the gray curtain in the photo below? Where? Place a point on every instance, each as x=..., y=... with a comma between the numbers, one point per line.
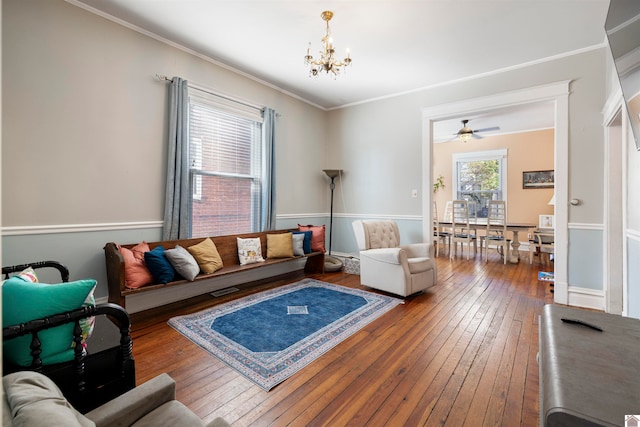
x=177, y=199
x=268, y=214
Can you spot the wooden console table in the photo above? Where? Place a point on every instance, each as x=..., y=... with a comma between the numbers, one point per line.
x=589, y=367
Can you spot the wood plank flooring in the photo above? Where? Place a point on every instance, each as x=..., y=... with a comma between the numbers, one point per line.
x=461, y=354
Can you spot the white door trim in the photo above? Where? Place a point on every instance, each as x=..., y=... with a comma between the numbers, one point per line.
x=558, y=93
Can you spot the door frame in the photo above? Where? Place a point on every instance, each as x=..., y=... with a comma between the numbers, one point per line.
x=558, y=93
x=616, y=132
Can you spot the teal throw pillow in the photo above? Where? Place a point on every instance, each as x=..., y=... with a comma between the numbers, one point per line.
x=23, y=301
x=159, y=266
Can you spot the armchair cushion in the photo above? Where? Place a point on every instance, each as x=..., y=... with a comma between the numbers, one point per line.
x=127, y=408
x=386, y=255
x=32, y=399
x=381, y=234
x=418, y=265
x=172, y=413
x=418, y=250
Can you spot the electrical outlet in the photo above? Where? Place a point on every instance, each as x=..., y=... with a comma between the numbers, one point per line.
x=414, y=193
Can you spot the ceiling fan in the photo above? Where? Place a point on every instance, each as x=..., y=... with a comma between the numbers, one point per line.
x=466, y=133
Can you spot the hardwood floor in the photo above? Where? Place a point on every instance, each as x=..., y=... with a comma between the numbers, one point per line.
x=461, y=354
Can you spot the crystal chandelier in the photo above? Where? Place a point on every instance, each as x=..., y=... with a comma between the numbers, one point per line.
x=327, y=61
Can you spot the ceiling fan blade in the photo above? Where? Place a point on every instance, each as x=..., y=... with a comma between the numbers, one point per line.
x=487, y=129
x=476, y=136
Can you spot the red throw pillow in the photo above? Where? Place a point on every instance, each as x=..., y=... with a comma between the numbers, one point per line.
x=317, y=236
x=136, y=273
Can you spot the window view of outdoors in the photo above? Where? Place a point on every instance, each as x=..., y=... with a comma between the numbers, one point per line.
x=479, y=181
x=224, y=157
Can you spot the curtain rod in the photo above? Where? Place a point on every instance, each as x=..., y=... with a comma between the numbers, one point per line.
x=212, y=92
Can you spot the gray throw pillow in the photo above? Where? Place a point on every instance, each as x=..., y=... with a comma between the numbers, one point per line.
x=184, y=263
x=298, y=240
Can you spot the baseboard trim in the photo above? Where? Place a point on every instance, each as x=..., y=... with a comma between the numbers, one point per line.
x=587, y=298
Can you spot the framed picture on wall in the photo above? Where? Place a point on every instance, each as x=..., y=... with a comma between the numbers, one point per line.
x=546, y=221
x=538, y=179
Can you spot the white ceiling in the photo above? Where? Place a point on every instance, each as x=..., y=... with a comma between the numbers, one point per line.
x=397, y=46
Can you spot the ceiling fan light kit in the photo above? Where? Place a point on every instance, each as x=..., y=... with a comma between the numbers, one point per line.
x=466, y=133
x=326, y=62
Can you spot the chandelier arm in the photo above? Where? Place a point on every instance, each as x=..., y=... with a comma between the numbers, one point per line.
x=326, y=60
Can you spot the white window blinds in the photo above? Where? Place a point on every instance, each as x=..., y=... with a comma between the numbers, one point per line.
x=225, y=157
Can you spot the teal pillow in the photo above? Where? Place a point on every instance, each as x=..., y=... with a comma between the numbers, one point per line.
x=159, y=266
x=24, y=301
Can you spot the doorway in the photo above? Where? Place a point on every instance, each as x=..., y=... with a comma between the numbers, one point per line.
x=558, y=93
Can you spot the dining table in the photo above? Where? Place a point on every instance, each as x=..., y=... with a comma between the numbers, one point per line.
x=514, y=227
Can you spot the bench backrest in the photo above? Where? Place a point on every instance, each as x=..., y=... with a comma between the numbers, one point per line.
x=227, y=245
x=227, y=248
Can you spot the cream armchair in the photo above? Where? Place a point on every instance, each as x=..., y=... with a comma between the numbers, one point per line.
x=387, y=266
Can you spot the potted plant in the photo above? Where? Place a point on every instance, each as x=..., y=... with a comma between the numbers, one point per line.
x=438, y=184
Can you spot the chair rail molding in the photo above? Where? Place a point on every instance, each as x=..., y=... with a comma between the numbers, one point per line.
x=23, y=230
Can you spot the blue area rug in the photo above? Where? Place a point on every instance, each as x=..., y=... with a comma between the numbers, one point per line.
x=271, y=335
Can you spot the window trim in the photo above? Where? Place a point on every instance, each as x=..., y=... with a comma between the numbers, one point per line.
x=238, y=110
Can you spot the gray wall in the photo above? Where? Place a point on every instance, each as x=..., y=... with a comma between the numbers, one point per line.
x=379, y=145
x=84, y=130
x=84, y=127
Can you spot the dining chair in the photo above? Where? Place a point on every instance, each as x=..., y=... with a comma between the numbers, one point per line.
x=461, y=230
x=496, y=232
x=542, y=242
x=439, y=234
x=448, y=211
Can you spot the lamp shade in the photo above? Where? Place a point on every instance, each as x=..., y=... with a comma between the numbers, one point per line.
x=332, y=173
x=552, y=202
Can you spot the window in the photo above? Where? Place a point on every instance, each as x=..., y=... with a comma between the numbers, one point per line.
x=225, y=158
x=480, y=176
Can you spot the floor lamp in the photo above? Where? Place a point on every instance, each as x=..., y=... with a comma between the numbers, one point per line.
x=332, y=263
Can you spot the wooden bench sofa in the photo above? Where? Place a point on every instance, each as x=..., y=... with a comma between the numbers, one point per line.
x=232, y=274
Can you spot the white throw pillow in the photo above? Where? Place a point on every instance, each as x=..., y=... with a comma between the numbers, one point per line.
x=249, y=250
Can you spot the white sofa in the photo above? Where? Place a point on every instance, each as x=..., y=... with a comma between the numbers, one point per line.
x=388, y=266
